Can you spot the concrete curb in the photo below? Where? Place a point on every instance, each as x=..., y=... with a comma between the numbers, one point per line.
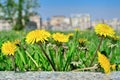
x=41, y=75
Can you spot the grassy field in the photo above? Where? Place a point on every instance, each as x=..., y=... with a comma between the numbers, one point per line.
x=74, y=55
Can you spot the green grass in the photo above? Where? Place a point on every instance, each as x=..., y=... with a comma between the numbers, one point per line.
x=29, y=57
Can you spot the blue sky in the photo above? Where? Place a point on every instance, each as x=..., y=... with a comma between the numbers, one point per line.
x=98, y=9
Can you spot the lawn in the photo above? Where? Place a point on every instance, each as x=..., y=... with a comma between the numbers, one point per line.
x=59, y=51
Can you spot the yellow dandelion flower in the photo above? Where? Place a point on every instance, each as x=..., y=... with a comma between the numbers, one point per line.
x=17, y=41
x=104, y=30
x=113, y=67
x=60, y=37
x=8, y=48
x=70, y=34
x=36, y=36
x=104, y=62
x=82, y=40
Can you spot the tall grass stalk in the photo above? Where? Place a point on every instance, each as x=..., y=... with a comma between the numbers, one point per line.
x=32, y=59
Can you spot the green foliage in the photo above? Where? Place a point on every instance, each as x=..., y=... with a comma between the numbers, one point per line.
x=65, y=56
x=13, y=11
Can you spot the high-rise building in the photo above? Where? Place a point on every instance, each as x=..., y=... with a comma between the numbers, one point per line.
x=57, y=21
x=81, y=21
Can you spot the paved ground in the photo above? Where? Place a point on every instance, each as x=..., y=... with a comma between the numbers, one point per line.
x=9, y=75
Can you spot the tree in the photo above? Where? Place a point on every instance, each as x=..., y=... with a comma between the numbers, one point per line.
x=19, y=24
x=8, y=8
x=18, y=11
x=29, y=8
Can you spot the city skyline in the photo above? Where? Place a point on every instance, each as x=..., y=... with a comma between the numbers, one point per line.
x=98, y=9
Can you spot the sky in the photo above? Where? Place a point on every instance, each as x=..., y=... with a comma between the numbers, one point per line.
x=98, y=9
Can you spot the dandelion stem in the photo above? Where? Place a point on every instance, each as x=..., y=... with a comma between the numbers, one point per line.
x=47, y=57
x=13, y=62
x=32, y=59
x=95, y=53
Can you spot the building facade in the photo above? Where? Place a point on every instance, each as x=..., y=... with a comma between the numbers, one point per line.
x=36, y=19
x=5, y=25
x=81, y=21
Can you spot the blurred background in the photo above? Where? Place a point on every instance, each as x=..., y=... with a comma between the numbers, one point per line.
x=62, y=15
